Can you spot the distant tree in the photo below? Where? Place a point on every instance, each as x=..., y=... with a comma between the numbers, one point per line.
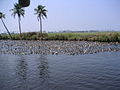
x=2, y=16
x=40, y=11
x=20, y=12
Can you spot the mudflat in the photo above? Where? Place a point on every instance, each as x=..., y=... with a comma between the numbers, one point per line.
x=56, y=47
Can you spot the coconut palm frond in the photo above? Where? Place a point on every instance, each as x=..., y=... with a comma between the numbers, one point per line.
x=2, y=15
x=38, y=17
x=45, y=15
x=40, y=11
x=18, y=10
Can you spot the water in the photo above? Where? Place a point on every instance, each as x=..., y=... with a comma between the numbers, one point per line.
x=60, y=72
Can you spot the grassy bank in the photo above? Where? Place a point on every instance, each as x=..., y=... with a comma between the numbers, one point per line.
x=87, y=36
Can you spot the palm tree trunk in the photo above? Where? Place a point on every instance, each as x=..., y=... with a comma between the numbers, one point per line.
x=6, y=28
x=40, y=25
x=19, y=27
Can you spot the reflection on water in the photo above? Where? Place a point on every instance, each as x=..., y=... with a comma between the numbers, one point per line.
x=43, y=68
x=22, y=67
x=43, y=72
x=21, y=72
x=60, y=72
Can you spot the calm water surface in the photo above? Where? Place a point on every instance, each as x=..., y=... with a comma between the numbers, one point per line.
x=60, y=72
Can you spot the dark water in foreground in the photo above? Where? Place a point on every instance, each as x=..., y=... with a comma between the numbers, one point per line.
x=60, y=72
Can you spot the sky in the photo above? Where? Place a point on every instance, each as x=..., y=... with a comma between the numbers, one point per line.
x=75, y=15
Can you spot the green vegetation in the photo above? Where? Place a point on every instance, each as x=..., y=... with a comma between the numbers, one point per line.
x=87, y=36
x=40, y=11
x=20, y=12
x=2, y=16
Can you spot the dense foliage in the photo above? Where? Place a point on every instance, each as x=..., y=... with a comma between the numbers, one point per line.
x=96, y=36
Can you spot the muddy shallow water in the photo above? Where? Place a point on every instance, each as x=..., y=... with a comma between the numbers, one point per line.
x=99, y=71
x=55, y=47
x=59, y=65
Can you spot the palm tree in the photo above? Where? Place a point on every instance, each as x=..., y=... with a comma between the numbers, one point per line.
x=40, y=11
x=20, y=12
x=2, y=16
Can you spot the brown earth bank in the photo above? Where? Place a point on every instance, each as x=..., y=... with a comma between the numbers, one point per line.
x=26, y=47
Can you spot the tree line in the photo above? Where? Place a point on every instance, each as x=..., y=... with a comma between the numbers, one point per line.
x=40, y=11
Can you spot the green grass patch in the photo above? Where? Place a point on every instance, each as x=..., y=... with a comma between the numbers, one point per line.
x=86, y=36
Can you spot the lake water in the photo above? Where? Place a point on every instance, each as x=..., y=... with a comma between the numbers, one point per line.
x=99, y=71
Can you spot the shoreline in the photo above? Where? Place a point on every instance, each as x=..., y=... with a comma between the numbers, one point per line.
x=27, y=47
x=83, y=36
